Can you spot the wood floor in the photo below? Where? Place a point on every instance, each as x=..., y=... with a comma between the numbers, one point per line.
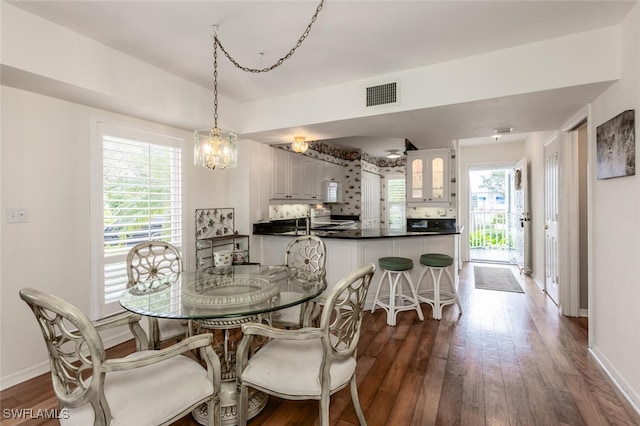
x=510, y=359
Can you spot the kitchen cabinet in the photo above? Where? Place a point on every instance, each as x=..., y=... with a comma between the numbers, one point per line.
x=296, y=178
x=429, y=177
x=287, y=175
x=313, y=174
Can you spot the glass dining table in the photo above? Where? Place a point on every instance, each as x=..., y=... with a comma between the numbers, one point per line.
x=224, y=298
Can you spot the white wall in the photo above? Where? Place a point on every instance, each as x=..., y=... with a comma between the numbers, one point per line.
x=492, y=155
x=615, y=232
x=45, y=167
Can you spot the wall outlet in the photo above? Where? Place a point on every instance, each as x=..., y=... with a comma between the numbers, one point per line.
x=17, y=215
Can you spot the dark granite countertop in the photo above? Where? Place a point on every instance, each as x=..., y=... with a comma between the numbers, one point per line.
x=357, y=234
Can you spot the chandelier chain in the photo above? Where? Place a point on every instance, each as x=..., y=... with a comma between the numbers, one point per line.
x=215, y=86
x=279, y=61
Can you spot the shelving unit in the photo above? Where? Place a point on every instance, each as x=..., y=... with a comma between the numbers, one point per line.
x=215, y=231
x=205, y=247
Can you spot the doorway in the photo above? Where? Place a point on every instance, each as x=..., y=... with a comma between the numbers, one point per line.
x=492, y=219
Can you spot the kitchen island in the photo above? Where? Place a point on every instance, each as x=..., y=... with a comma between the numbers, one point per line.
x=349, y=249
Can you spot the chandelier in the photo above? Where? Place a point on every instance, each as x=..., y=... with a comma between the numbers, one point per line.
x=216, y=148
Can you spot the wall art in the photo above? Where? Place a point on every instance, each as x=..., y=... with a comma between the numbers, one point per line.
x=616, y=146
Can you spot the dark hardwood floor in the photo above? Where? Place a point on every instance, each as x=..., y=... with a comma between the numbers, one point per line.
x=510, y=359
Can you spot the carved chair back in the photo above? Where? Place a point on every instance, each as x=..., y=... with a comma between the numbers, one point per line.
x=76, y=351
x=150, y=259
x=307, y=253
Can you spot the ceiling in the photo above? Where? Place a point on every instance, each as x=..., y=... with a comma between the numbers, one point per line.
x=350, y=40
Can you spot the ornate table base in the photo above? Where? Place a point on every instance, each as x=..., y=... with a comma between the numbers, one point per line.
x=228, y=408
x=228, y=393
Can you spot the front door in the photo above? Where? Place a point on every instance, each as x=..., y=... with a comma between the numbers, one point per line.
x=520, y=221
x=551, y=255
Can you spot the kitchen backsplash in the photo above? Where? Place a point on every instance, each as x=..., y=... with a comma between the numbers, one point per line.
x=288, y=211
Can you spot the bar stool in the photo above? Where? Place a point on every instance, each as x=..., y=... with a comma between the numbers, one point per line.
x=435, y=296
x=395, y=268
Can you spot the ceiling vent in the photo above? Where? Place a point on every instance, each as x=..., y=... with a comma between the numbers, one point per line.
x=383, y=94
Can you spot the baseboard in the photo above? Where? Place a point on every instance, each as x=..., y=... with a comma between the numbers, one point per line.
x=623, y=386
x=535, y=280
x=584, y=313
x=43, y=367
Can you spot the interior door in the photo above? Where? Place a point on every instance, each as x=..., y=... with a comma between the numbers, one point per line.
x=370, y=216
x=519, y=220
x=551, y=255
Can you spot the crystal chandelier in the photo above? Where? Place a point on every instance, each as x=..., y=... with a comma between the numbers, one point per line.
x=215, y=148
x=299, y=144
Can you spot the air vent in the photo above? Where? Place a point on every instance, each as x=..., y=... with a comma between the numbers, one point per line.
x=382, y=94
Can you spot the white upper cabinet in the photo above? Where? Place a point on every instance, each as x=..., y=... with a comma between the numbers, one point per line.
x=428, y=177
x=296, y=178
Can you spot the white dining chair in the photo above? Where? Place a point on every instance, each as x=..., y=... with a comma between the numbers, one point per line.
x=311, y=362
x=152, y=259
x=148, y=387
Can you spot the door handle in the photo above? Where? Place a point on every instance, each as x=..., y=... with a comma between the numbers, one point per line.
x=546, y=227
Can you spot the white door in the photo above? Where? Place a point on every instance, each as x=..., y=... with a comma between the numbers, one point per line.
x=370, y=200
x=519, y=219
x=551, y=255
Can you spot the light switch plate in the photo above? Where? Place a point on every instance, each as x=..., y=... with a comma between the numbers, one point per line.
x=17, y=215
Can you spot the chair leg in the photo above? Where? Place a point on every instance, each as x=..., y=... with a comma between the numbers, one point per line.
x=437, y=311
x=324, y=409
x=393, y=286
x=414, y=293
x=375, y=299
x=242, y=405
x=356, y=401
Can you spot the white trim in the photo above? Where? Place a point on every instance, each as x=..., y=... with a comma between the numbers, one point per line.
x=570, y=231
x=44, y=367
x=618, y=379
x=584, y=313
x=150, y=133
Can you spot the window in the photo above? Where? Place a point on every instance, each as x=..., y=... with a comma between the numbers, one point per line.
x=396, y=191
x=139, y=197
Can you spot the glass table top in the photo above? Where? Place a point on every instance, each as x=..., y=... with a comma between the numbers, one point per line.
x=223, y=292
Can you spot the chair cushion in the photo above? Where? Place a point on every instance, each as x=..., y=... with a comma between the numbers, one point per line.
x=436, y=259
x=149, y=395
x=395, y=263
x=292, y=367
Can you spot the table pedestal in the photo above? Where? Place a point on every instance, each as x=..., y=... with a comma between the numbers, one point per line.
x=226, y=352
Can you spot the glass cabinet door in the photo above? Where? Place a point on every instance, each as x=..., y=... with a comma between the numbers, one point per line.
x=428, y=176
x=416, y=178
x=437, y=178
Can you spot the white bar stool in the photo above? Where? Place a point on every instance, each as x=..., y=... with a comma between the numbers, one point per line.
x=435, y=296
x=395, y=268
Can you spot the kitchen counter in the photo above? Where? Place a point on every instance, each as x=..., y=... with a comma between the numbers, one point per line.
x=357, y=234
x=351, y=248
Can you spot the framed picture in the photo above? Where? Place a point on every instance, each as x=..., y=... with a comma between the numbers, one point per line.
x=616, y=146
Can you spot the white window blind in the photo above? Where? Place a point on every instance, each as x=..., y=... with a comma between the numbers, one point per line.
x=141, y=199
x=396, y=210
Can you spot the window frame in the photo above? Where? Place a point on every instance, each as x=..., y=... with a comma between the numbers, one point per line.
x=389, y=203
x=140, y=133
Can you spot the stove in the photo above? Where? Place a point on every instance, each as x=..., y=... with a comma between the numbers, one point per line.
x=321, y=219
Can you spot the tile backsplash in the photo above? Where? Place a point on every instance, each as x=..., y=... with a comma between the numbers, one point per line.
x=288, y=211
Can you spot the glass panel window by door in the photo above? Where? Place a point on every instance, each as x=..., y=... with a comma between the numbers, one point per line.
x=416, y=178
x=437, y=178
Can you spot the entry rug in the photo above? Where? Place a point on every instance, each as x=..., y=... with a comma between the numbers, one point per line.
x=500, y=279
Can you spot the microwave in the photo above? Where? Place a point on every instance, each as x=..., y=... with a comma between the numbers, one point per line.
x=331, y=191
